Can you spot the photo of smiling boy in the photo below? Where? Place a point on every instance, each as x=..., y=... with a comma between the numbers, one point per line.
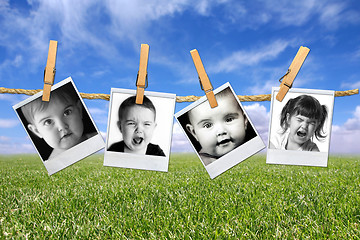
x=218, y=130
x=59, y=123
x=137, y=123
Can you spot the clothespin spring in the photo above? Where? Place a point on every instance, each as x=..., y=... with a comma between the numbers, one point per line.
x=46, y=82
x=288, y=71
x=202, y=88
x=146, y=81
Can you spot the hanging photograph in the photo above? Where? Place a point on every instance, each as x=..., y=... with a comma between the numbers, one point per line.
x=139, y=135
x=222, y=136
x=300, y=127
x=61, y=130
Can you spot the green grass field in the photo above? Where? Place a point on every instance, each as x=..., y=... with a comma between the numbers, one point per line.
x=253, y=200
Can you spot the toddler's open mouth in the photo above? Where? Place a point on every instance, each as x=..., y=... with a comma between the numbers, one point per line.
x=301, y=133
x=138, y=140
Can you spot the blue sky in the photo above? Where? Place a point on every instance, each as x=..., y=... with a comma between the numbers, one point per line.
x=247, y=43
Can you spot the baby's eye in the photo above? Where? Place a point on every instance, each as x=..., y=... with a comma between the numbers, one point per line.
x=67, y=112
x=48, y=122
x=207, y=125
x=229, y=119
x=147, y=124
x=130, y=123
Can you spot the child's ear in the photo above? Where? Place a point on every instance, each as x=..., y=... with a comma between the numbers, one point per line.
x=79, y=106
x=191, y=130
x=246, y=122
x=119, y=125
x=287, y=117
x=34, y=130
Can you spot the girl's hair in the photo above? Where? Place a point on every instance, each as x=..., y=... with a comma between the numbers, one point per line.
x=65, y=93
x=306, y=106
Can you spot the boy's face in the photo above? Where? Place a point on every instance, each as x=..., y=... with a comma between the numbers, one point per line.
x=301, y=128
x=218, y=130
x=60, y=125
x=137, y=127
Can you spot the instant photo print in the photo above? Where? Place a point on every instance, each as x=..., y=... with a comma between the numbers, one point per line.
x=222, y=136
x=139, y=135
x=300, y=127
x=61, y=130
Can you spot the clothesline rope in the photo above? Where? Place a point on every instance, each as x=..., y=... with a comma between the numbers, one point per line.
x=179, y=99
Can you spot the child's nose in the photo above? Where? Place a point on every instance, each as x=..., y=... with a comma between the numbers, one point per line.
x=305, y=125
x=220, y=130
x=139, y=128
x=62, y=125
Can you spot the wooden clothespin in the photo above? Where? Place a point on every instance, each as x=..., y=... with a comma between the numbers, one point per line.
x=49, y=72
x=288, y=78
x=142, y=82
x=204, y=79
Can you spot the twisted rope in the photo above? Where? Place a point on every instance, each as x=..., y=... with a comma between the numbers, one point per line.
x=179, y=99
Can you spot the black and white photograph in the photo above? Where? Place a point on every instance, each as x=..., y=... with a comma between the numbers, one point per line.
x=222, y=136
x=139, y=135
x=61, y=130
x=300, y=127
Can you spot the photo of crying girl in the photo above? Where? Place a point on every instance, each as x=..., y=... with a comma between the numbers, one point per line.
x=301, y=125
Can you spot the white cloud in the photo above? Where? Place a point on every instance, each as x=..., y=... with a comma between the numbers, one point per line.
x=351, y=85
x=327, y=13
x=353, y=124
x=292, y=13
x=4, y=138
x=179, y=142
x=332, y=15
x=97, y=111
x=15, y=62
x=8, y=123
x=101, y=25
x=131, y=19
x=10, y=145
x=12, y=98
x=263, y=88
x=250, y=57
x=204, y=7
x=99, y=115
x=356, y=55
x=260, y=118
x=44, y=17
x=345, y=138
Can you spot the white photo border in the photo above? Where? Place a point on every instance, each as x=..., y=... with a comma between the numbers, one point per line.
x=301, y=158
x=74, y=154
x=233, y=157
x=136, y=161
